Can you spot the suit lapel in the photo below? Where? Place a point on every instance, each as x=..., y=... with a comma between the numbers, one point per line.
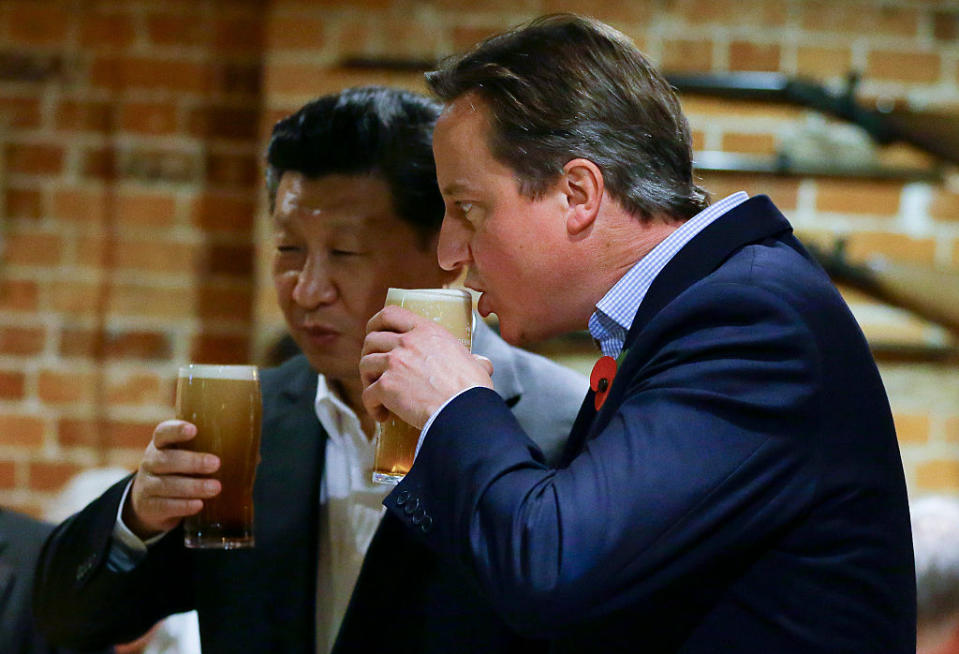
x=292, y=452
x=754, y=220
x=587, y=412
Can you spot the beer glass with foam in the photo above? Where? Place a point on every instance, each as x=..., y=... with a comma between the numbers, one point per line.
x=396, y=440
x=224, y=404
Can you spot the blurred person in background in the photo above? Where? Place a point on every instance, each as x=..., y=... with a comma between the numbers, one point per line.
x=935, y=539
x=21, y=539
x=355, y=210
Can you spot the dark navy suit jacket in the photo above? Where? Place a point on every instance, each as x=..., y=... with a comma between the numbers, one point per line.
x=740, y=491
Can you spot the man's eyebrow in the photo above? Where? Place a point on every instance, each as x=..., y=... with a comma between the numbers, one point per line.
x=455, y=187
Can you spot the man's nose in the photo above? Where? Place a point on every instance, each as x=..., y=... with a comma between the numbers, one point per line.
x=453, y=250
x=314, y=285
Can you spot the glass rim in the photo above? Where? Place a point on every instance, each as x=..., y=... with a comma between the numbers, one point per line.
x=450, y=292
x=219, y=371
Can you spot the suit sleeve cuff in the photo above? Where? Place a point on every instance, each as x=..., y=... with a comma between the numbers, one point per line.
x=126, y=548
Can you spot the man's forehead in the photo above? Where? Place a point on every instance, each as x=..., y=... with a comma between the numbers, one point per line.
x=464, y=161
x=357, y=200
x=461, y=127
x=469, y=106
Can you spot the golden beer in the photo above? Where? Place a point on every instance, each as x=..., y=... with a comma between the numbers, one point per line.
x=396, y=440
x=224, y=404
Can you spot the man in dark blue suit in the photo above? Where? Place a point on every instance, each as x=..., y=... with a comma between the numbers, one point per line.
x=733, y=481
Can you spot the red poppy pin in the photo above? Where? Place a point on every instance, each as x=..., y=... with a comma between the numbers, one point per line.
x=601, y=379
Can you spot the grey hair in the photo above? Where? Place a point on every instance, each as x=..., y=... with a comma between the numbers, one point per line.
x=935, y=536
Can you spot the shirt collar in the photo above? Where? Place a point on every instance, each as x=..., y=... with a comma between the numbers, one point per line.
x=333, y=413
x=614, y=313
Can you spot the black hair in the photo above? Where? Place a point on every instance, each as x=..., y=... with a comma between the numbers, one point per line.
x=370, y=130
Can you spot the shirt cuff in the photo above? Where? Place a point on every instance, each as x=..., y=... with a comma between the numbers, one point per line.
x=436, y=413
x=126, y=548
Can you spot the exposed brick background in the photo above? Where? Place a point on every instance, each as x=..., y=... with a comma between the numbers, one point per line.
x=134, y=222
x=129, y=134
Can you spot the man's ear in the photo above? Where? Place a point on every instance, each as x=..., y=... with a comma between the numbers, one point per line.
x=583, y=185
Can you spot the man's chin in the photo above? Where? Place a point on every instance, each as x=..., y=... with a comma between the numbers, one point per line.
x=523, y=334
x=334, y=368
x=513, y=333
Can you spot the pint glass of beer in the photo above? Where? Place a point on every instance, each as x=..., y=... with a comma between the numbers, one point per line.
x=396, y=440
x=224, y=404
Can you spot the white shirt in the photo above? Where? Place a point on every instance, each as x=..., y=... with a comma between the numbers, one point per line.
x=351, y=507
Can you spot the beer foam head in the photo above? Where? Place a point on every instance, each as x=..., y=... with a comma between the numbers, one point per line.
x=398, y=295
x=214, y=371
x=450, y=307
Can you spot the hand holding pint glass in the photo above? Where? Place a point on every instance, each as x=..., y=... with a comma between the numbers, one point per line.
x=224, y=404
x=396, y=440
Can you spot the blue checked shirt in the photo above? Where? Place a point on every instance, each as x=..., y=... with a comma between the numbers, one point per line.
x=615, y=312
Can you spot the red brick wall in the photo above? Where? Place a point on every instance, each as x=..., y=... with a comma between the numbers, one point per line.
x=133, y=218
x=129, y=137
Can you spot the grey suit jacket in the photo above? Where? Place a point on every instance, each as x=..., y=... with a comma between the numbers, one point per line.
x=263, y=599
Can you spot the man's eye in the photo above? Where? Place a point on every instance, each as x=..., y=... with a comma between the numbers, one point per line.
x=285, y=249
x=465, y=207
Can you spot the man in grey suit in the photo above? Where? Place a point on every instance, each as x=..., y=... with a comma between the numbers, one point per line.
x=355, y=210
